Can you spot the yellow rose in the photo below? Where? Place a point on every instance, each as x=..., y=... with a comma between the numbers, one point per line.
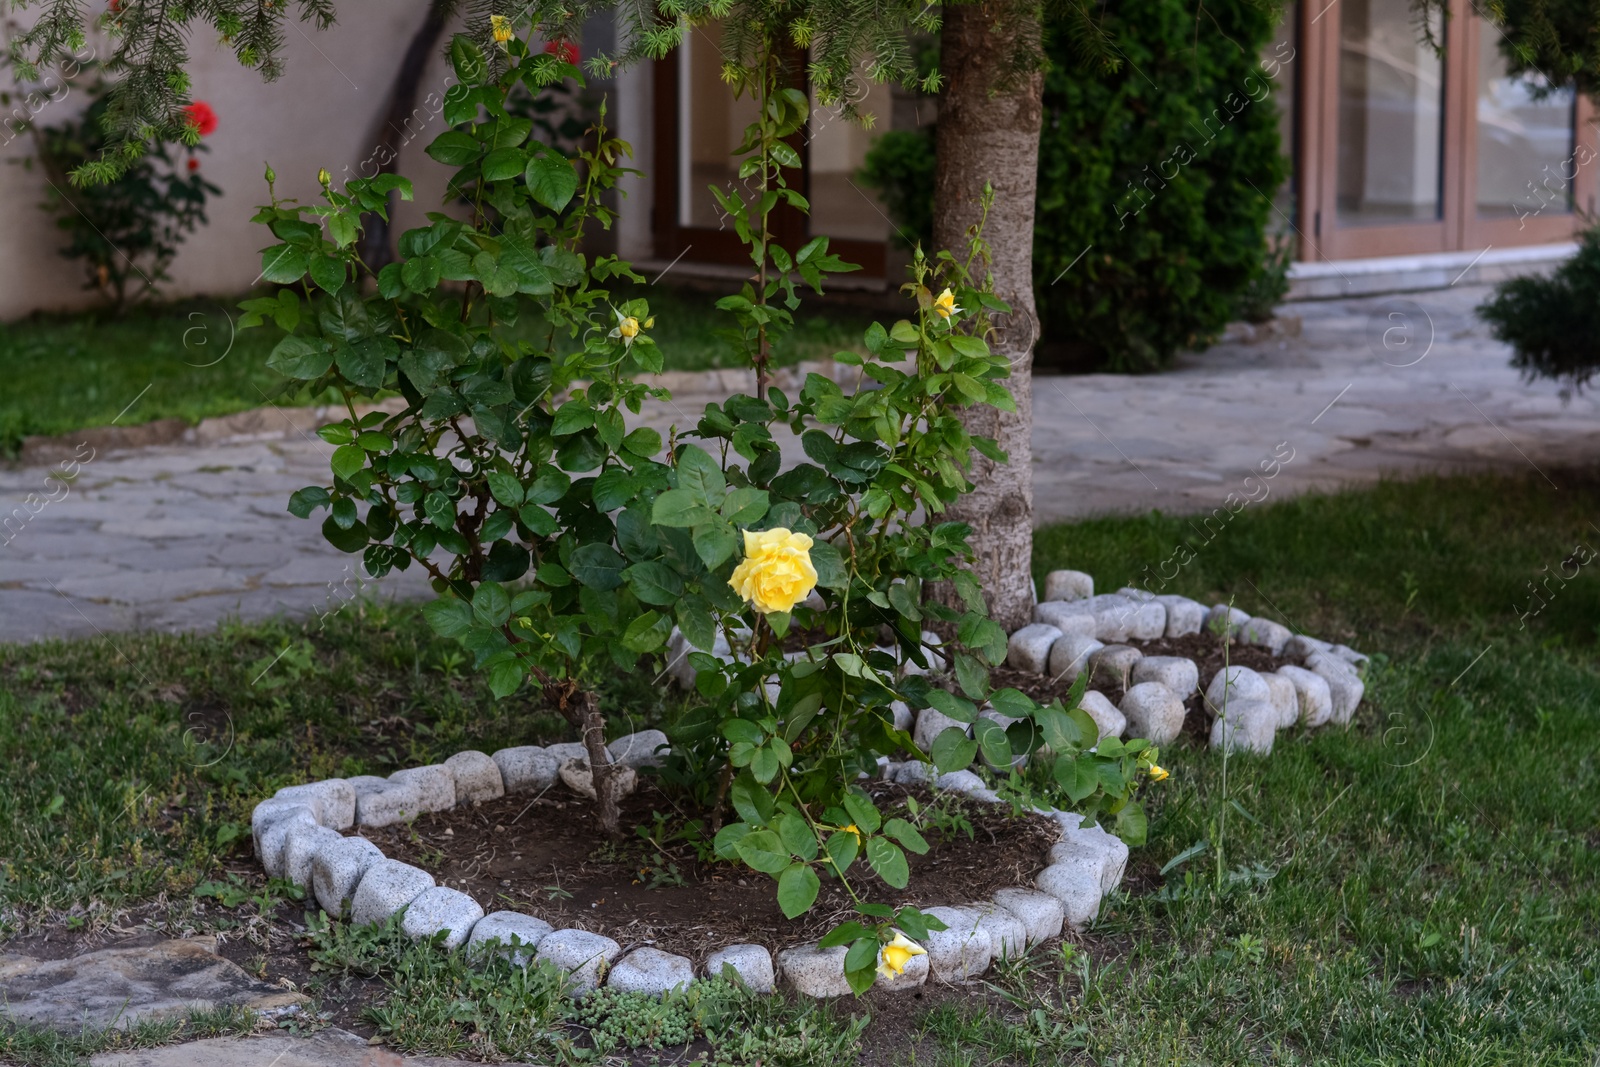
x=776, y=573
x=893, y=957
x=500, y=26
x=1158, y=774
x=945, y=304
x=628, y=327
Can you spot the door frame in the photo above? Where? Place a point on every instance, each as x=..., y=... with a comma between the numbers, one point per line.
x=1458, y=228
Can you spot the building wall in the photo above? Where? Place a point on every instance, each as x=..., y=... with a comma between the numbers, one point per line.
x=322, y=113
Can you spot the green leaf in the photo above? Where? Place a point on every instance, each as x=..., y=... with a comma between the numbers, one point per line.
x=842, y=847
x=303, y=501
x=763, y=851
x=366, y=362
x=992, y=742
x=862, y=812
x=491, y=604
x=861, y=965
x=648, y=632
x=505, y=489
x=753, y=803
x=972, y=676
x=598, y=566
x=345, y=539
x=947, y=703
x=282, y=264
x=450, y=617
x=1077, y=775
x=301, y=357
x=572, y=417
x=655, y=583
x=503, y=163
x=454, y=148
x=715, y=542
x=829, y=565
x=953, y=750
x=888, y=861
x=347, y=460
x=421, y=275
x=764, y=764
x=696, y=621
x=797, y=889
x=551, y=180
x=907, y=835
x=467, y=59
x=643, y=442
x=550, y=485
x=679, y=507
x=505, y=677
x=745, y=506
x=1131, y=824
x=798, y=837
x=700, y=475
x=614, y=489
x=329, y=272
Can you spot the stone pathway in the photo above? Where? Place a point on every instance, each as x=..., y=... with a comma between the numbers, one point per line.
x=181, y=537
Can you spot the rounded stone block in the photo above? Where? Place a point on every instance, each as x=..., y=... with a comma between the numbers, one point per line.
x=1249, y=726
x=1068, y=585
x=1299, y=646
x=1224, y=619
x=383, y=802
x=337, y=868
x=577, y=776
x=1356, y=659
x=1101, y=853
x=1076, y=887
x=814, y=972
x=333, y=800
x=299, y=847
x=1233, y=685
x=1113, y=615
x=1180, y=675
x=583, y=956
x=436, y=789
x=1029, y=648
x=1311, y=689
x=274, y=836
x=1184, y=616
x=962, y=950
x=1284, y=698
x=527, y=768
x=961, y=782
x=1108, y=718
x=1040, y=913
x=442, y=910
x=510, y=933
x=644, y=748
x=1264, y=633
x=1007, y=936
x=931, y=723
x=1070, y=655
x=751, y=964
x=274, y=810
x=1068, y=616
x=567, y=750
x=649, y=970
x=901, y=715
x=1154, y=712
x=476, y=776
x=385, y=888
x=1111, y=666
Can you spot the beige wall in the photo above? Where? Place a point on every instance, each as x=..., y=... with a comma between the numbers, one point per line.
x=321, y=113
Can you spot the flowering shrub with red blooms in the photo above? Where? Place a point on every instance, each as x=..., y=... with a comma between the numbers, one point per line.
x=565, y=51
x=201, y=117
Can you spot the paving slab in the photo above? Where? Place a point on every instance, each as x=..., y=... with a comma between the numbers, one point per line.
x=119, y=987
x=326, y=1048
x=181, y=536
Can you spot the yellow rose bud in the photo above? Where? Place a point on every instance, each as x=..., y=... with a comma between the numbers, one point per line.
x=650, y=323
x=629, y=327
x=323, y=177
x=893, y=957
x=1158, y=774
x=500, y=26
x=945, y=304
x=776, y=573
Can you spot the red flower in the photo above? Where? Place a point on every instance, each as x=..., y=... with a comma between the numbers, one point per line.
x=193, y=164
x=201, y=117
x=565, y=51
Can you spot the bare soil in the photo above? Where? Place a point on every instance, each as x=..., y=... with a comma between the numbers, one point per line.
x=546, y=856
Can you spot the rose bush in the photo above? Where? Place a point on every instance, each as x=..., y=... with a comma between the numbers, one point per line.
x=566, y=541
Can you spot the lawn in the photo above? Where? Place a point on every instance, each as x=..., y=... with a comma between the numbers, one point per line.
x=1422, y=889
x=185, y=360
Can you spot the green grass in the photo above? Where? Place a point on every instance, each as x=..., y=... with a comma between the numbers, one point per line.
x=37, y=1047
x=1421, y=889
x=70, y=372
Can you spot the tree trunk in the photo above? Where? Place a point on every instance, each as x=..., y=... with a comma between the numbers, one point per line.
x=593, y=724
x=989, y=132
x=393, y=128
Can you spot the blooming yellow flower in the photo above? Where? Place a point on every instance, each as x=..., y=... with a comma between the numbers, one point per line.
x=893, y=957
x=851, y=829
x=776, y=573
x=500, y=26
x=945, y=305
x=1158, y=773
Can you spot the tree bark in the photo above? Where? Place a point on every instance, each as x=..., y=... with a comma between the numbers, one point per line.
x=989, y=132
x=582, y=708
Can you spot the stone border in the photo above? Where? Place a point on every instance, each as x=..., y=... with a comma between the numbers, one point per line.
x=298, y=837
x=275, y=423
